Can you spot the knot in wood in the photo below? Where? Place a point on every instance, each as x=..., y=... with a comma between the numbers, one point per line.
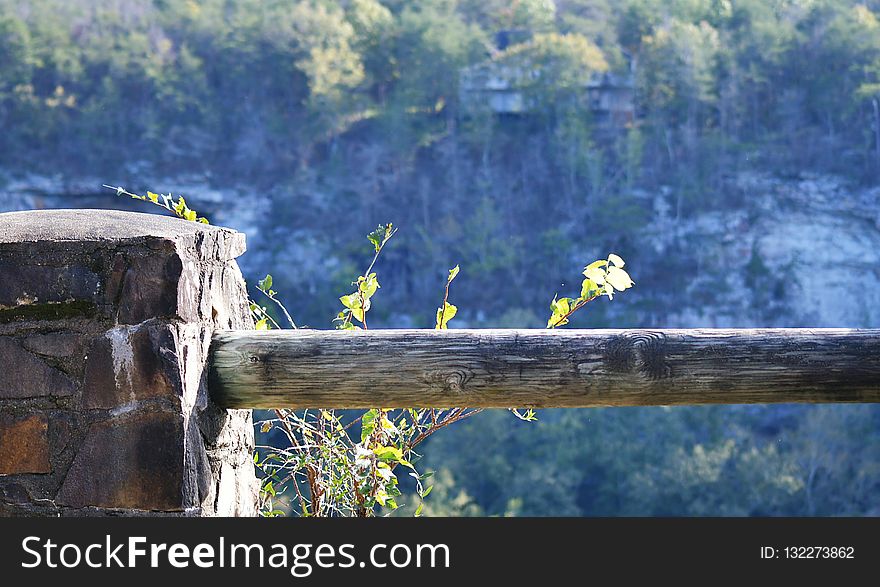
x=641, y=352
x=454, y=379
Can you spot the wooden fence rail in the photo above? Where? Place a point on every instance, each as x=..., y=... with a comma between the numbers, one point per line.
x=542, y=368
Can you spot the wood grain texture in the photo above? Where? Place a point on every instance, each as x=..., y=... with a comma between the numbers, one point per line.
x=542, y=368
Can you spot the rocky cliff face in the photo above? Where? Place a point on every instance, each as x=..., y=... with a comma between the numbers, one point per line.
x=799, y=251
x=794, y=252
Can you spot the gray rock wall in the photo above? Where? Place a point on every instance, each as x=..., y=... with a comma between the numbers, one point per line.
x=105, y=322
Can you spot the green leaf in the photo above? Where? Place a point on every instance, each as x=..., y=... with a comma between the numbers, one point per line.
x=265, y=283
x=444, y=315
x=388, y=453
x=153, y=197
x=559, y=309
x=615, y=260
x=266, y=426
x=597, y=264
x=368, y=423
x=427, y=491
x=588, y=288
x=452, y=273
x=378, y=236
x=262, y=324
x=418, y=512
x=351, y=301
x=561, y=306
x=368, y=286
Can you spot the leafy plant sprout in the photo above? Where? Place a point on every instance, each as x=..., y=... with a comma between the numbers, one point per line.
x=601, y=278
x=179, y=208
x=338, y=464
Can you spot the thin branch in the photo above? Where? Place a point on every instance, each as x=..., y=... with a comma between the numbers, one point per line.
x=280, y=305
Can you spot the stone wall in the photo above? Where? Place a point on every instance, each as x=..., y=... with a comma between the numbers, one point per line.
x=105, y=322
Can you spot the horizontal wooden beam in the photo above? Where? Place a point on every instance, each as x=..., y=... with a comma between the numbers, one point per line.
x=542, y=368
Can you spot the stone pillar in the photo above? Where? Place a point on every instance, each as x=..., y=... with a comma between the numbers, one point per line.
x=105, y=322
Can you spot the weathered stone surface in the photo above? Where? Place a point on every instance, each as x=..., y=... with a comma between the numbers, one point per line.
x=150, y=289
x=228, y=285
x=230, y=453
x=125, y=264
x=54, y=344
x=220, y=443
x=24, y=445
x=14, y=493
x=31, y=283
x=131, y=363
x=111, y=226
x=26, y=375
x=135, y=461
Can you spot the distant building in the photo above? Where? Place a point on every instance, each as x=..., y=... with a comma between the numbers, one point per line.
x=612, y=98
x=501, y=87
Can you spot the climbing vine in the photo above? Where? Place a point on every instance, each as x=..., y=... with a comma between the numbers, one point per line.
x=344, y=463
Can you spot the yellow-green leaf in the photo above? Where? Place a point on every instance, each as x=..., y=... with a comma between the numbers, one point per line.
x=559, y=309
x=444, y=315
x=562, y=306
x=619, y=278
x=368, y=286
x=616, y=260
x=555, y=321
x=596, y=274
x=351, y=301
x=588, y=287
x=388, y=453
